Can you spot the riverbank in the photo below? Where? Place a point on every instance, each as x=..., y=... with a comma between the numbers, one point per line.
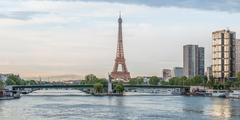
x=9, y=94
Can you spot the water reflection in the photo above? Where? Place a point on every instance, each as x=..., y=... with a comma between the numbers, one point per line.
x=120, y=101
x=220, y=108
x=57, y=92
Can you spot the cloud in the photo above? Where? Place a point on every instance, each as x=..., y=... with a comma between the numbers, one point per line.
x=217, y=5
x=20, y=15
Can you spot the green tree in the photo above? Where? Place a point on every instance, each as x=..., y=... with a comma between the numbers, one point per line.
x=197, y=80
x=136, y=81
x=98, y=87
x=172, y=81
x=90, y=77
x=238, y=76
x=119, y=88
x=30, y=82
x=14, y=80
x=162, y=82
x=1, y=84
x=10, y=82
x=102, y=81
x=154, y=80
x=210, y=83
x=183, y=80
x=237, y=82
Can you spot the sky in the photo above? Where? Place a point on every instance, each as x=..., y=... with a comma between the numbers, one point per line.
x=61, y=37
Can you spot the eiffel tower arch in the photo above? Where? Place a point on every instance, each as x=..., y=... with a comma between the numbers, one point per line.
x=120, y=61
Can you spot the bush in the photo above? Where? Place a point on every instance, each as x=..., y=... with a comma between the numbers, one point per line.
x=1, y=84
x=98, y=87
x=154, y=80
x=119, y=88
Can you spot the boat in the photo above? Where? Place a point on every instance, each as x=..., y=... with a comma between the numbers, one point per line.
x=234, y=94
x=199, y=93
x=217, y=93
x=154, y=92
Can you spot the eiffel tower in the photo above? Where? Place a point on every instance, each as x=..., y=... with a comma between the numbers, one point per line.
x=120, y=60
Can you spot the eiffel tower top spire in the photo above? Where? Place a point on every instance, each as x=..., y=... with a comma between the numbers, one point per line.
x=120, y=17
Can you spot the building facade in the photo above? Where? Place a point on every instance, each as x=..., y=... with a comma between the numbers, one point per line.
x=4, y=77
x=237, y=56
x=177, y=72
x=193, y=60
x=167, y=74
x=224, y=54
x=209, y=72
x=201, y=57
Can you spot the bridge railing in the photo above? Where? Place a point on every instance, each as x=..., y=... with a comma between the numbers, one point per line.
x=91, y=86
x=52, y=86
x=156, y=86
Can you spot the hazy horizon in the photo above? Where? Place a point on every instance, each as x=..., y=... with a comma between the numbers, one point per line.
x=79, y=37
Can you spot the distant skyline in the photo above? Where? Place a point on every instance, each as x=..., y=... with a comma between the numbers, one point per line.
x=61, y=37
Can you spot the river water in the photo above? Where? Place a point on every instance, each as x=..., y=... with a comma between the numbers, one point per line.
x=43, y=106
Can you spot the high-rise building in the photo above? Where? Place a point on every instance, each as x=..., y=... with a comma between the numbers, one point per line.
x=237, y=56
x=177, y=72
x=167, y=74
x=201, y=65
x=209, y=72
x=193, y=60
x=224, y=54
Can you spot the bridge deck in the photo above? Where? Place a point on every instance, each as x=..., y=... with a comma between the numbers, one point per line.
x=91, y=86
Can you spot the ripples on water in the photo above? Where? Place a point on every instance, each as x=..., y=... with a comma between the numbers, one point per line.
x=44, y=106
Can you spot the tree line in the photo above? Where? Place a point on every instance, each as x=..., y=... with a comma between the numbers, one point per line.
x=191, y=81
x=16, y=80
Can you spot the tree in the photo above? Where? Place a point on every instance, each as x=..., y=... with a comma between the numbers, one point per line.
x=136, y=81
x=238, y=76
x=154, y=80
x=237, y=82
x=210, y=83
x=119, y=88
x=1, y=84
x=197, y=80
x=162, y=82
x=98, y=87
x=90, y=77
x=14, y=80
x=172, y=81
x=184, y=79
x=30, y=82
x=10, y=82
x=102, y=81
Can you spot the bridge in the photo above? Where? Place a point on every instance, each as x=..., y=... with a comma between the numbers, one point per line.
x=15, y=87
x=80, y=86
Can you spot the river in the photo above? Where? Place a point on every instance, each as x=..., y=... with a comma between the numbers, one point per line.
x=80, y=107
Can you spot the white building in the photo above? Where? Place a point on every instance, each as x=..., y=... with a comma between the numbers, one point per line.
x=167, y=74
x=4, y=77
x=224, y=54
